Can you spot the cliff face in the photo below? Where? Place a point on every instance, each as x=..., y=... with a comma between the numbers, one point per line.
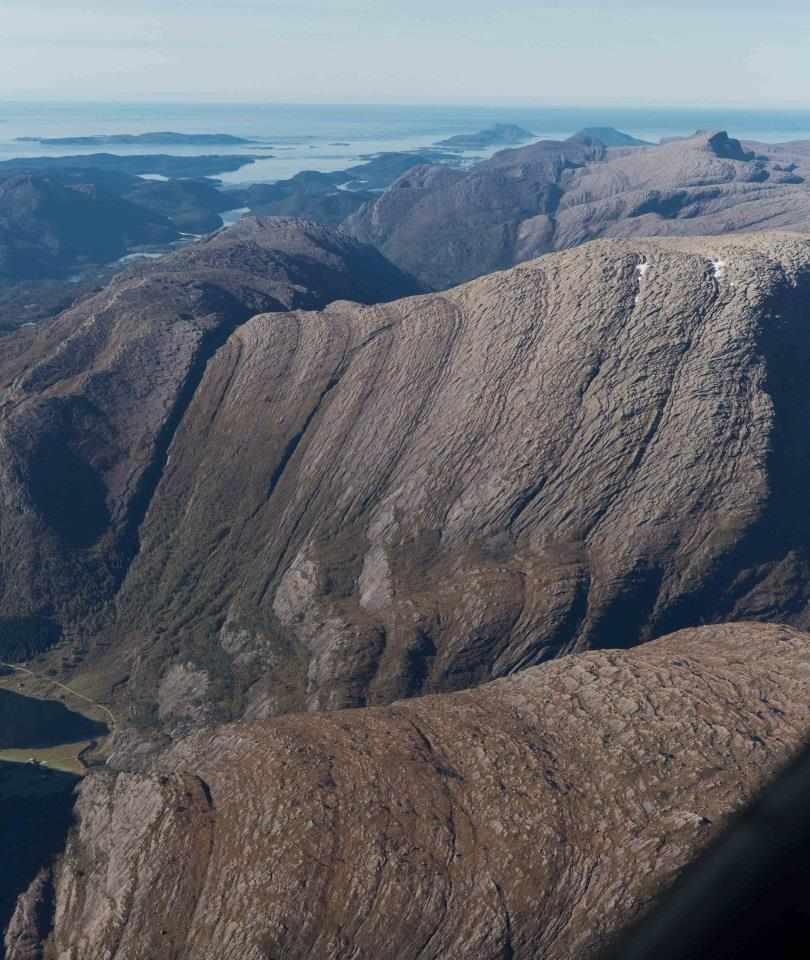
x=90, y=401
x=369, y=503
x=534, y=816
x=346, y=507
x=552, y=196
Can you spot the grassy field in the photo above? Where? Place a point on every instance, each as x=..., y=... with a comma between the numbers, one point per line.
x=65, y=757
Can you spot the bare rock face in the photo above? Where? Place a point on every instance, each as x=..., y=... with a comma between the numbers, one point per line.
x=446, y=227
x=30, y=926
x=533, y=816
x=602, y=446
x=89, y=402
x=706, y=184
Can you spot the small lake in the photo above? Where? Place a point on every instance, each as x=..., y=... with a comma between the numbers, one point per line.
x=28, y=722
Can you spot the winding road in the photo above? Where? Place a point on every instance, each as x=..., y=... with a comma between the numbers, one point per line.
x=73, y=693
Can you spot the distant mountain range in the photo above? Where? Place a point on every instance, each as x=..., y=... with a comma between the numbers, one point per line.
x=136, y=163
x=445, y=226
x=444, y=222
x=166, y=138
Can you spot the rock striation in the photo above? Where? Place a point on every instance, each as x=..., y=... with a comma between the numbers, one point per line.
x=601, y=446
x=534, y=816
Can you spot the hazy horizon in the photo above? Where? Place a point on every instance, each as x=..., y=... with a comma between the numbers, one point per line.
x=420, y=53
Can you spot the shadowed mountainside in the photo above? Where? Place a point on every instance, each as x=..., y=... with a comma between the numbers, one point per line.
x=35, y=816
x=451, y=225
x=46, y=227
x=191, y=205
x=90, y=401
x=534, y=816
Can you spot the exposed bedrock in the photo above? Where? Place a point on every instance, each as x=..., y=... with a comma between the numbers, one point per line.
x=533, y=816
x=593, y=449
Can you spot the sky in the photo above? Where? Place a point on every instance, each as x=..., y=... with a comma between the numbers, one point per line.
x=712, y=52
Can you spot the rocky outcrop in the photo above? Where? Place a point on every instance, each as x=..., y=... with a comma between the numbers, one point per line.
x=90, y=401
x=445, y=227
x=365, y=504
x=534, y=816
x=35, y=816
x=30, y=925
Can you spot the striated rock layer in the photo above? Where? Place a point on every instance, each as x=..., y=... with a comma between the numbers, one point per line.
x=365, y=504
x=533, y=816
x=347, y=507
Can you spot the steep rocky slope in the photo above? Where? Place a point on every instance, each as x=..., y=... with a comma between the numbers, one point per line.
x=447, y=226
x=534, y=816
x=90, y=401
x=368, y=503
x=348, y=507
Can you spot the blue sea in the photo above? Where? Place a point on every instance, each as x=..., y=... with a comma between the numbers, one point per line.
x=331, y=137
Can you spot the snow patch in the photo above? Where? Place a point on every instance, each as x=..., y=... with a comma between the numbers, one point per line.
x=718, y=269
x=641, y=270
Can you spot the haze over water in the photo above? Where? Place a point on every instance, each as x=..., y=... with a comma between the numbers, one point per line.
x=332, y=137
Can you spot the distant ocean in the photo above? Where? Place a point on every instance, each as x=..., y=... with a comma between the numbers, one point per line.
x=327, y=138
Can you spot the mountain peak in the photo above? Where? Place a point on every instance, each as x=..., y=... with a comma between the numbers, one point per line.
x=611, y=137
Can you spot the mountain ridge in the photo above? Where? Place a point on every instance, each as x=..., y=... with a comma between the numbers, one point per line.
x=536, y=815
x=368, y=503
x=521, y=204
